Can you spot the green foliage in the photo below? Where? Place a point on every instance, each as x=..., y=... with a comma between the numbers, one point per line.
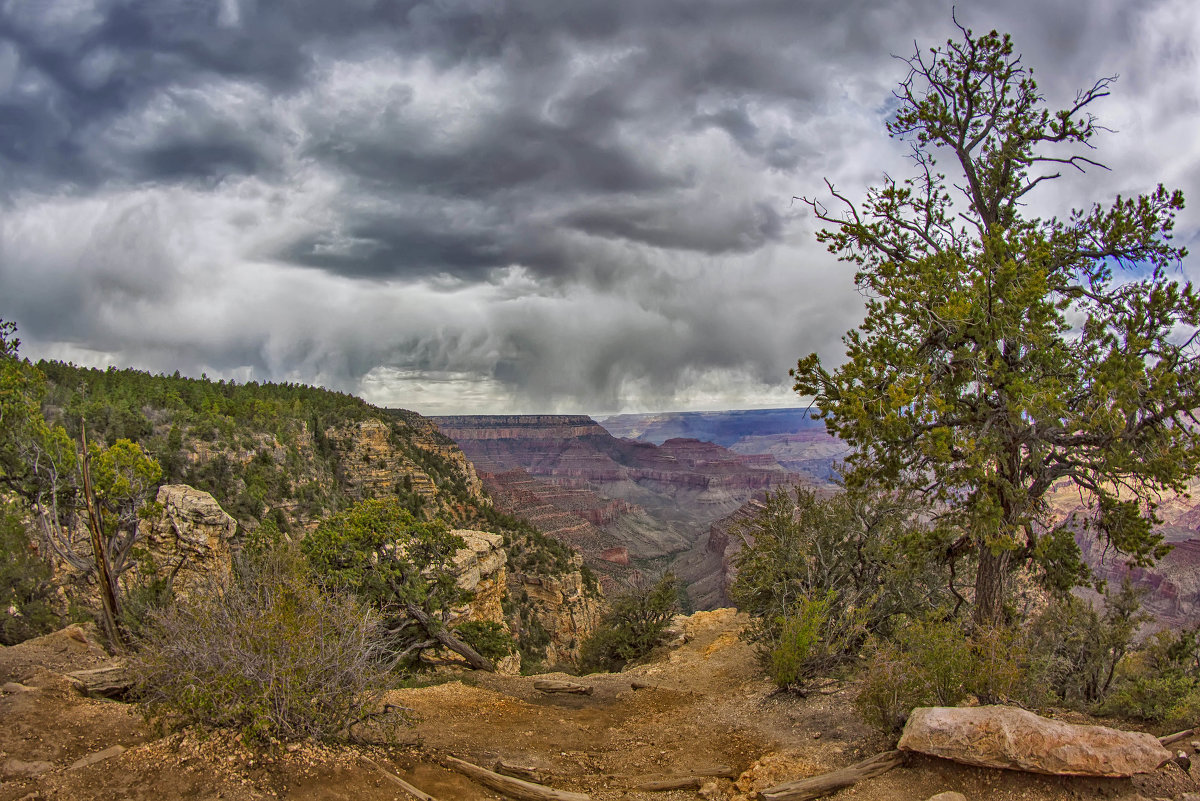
x=1002, y=354
x=487, y=637
x=1083, y=646
x=813, y=637
x=402, y=566
x=820, y=573
x=27, y=594
x=1158, y=681
x=632, y=627
x=380, y=551
x=22, y=387
x=938, y=663
x=268, y=652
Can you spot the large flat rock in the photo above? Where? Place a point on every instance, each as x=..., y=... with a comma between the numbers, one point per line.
x=1005, y=737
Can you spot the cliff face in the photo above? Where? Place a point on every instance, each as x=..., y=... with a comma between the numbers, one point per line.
x=559, y=607
x=621, y=503
x=790, y=436
x=709, y=571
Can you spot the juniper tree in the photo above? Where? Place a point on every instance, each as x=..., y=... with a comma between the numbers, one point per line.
x=1003, y=353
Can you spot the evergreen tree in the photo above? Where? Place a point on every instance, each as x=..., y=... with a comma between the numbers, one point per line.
x=1003, y=353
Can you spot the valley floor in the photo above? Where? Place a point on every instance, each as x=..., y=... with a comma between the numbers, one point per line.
x=708, y=704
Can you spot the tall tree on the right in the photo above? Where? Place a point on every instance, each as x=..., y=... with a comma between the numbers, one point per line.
x=1001, y=353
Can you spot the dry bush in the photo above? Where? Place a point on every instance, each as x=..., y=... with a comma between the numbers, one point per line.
x=267, y=652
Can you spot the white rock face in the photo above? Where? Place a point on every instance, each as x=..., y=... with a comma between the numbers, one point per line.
x=482, y=558
x=1005, y=737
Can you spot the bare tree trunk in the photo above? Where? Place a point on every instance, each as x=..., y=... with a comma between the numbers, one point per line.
x=443, y=635
x=991, y=583
x=108, y=593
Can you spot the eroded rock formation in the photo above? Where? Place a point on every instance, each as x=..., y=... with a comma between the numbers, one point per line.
x=191, y=539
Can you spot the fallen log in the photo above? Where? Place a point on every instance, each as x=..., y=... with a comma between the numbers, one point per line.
x=526, y=772
x=415, y=792
x=551, y=686
x=111, y=681
x=1176, y=737
x=826, y=783
x=517, y=788
x=691, y=781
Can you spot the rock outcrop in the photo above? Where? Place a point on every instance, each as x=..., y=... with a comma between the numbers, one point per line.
x=190, y=539
x=481, y=567
x=562, y=606
x=1006, y=737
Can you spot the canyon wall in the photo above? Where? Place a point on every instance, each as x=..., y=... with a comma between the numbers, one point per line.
x=626, y=506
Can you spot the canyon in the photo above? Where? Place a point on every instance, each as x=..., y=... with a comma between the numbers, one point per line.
x=631, y=507
x=644, y=493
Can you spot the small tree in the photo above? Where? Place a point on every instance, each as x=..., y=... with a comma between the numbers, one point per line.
x=400, y=565
x=72, y=485
x=818, y=573
x=633, y=625
x=1000, y=353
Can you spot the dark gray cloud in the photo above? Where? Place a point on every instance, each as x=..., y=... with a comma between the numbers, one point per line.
x=479, y=204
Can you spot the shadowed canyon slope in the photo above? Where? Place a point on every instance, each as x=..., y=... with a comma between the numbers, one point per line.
x=624, y=504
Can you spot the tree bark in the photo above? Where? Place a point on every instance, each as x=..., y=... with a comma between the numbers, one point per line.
x=443, y=635
x=111, y=606
x=550, y=686
x=991, y=582
x=516, y=788
x=818, y=786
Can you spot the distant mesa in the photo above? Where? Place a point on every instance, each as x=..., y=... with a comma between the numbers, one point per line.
x=720, y=428
x=797, y=442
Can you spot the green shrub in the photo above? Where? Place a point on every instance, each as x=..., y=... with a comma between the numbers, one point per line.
x=936, y=663
x=27, y=594
x=632, y=627
x=267, y=652
x=812, y=639
x=822, y=572
x=1152, y=698
x=489, y=638
x=1081, y=646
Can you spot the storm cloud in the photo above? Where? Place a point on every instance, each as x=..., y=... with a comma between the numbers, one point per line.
x=488, y=206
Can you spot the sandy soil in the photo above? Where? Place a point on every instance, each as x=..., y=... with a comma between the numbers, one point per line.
x=709, y=706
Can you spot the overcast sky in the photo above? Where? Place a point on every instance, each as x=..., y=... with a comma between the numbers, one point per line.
x=493, y=206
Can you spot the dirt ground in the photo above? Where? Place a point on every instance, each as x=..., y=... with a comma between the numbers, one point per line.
x=708, y=705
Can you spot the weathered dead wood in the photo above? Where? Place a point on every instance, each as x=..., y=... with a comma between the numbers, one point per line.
x=111, y=681
x=98, y=756
x=826, y=783
x=551, y=686
x=415, y=792
x=1177, y=736
x=691, y=781
x=443, y=635
x=517, y=788
x=526, y=772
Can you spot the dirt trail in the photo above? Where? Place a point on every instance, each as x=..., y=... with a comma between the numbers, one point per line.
x=709, y=705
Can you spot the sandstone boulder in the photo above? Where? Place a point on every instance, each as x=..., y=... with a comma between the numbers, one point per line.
x=1005, y=737
x=191, y=537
